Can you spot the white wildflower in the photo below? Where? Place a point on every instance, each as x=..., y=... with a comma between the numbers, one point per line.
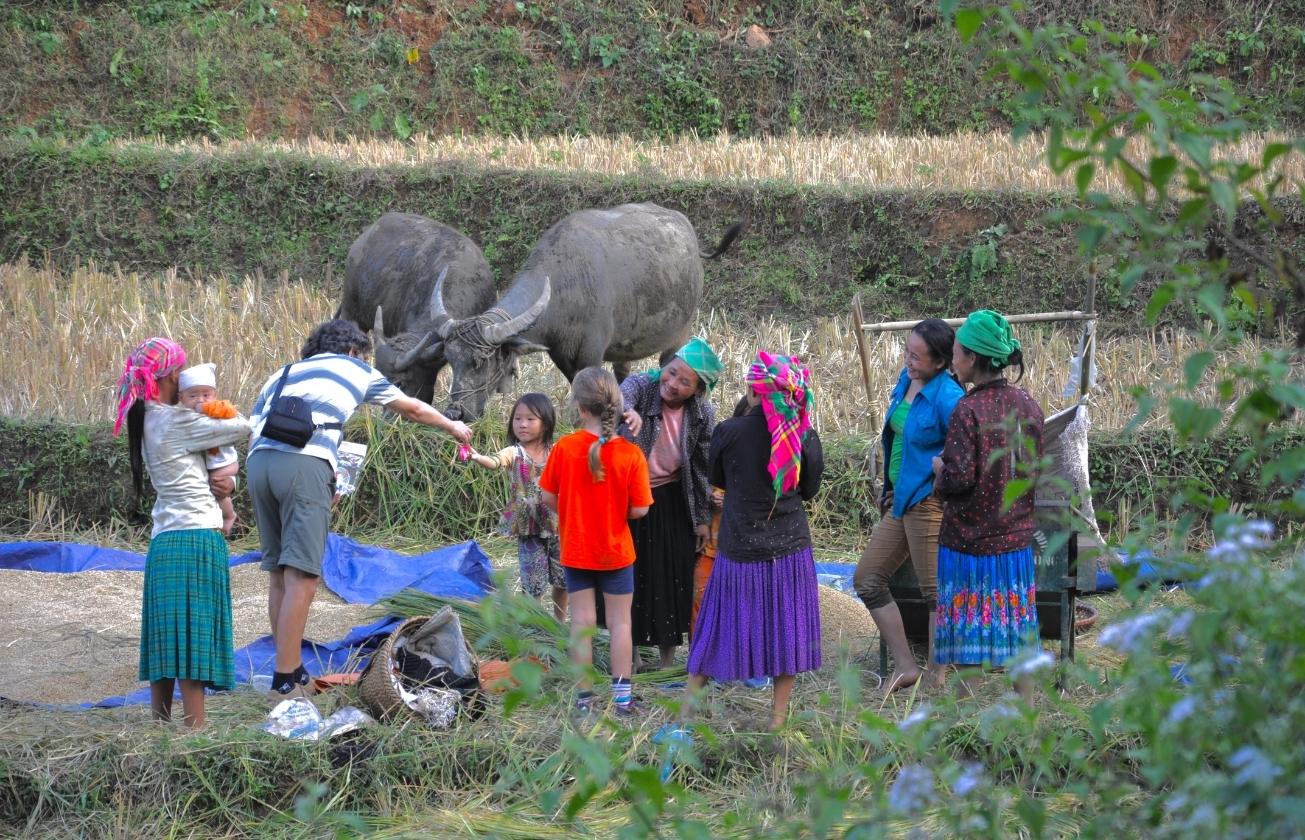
x=912, y=789
x=1030, y=665
x=1129, y=635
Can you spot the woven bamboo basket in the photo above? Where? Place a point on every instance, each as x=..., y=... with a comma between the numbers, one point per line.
x=376, y=685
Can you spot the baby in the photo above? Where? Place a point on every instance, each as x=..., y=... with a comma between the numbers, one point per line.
x=198, y=388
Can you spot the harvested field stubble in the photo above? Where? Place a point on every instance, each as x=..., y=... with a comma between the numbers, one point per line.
x=990, y=161
x=86, y=321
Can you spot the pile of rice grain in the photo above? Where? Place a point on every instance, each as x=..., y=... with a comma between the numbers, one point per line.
x=844, y=623
x=74, y=638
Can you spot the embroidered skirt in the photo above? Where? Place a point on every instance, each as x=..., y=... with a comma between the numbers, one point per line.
x=758, y=619
x=185, y=622
x=987, y=609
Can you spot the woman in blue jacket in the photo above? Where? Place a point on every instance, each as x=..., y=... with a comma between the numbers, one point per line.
x=918, y=416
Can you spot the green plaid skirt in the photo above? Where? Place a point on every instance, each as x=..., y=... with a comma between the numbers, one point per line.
x=185, y=618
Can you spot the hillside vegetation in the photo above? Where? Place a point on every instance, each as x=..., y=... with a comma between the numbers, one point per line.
x=285, y=68
x=808, y=250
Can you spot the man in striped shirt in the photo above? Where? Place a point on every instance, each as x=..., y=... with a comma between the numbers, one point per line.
x=292, y=487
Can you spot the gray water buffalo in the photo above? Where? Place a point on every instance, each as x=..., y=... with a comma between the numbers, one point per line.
x=612, y=285
x=389, y=277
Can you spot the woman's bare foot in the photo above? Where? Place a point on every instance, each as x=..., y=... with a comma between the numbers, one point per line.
x=935, y=678
x=901, y=679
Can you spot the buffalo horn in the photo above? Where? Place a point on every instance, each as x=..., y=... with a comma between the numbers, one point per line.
x=378, y=328
x=499, y=333
x=405, y=361
x=438, y=314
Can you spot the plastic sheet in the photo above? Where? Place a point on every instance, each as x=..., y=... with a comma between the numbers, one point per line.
x=358, y=573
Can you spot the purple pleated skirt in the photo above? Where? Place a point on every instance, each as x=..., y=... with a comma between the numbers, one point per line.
x=758, y=619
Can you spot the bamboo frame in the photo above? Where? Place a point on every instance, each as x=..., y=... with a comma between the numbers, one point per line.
x=1030, y=318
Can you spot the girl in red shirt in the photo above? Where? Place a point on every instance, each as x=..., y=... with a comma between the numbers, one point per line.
x=597, y=481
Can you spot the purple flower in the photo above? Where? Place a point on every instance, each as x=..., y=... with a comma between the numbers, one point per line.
x=1253, y=767
x=1034, y=664
x=1241, y=539
x=1181, y=711
x=912, y=790
x=1131, y=634
x=970, y=779
x=915, y=718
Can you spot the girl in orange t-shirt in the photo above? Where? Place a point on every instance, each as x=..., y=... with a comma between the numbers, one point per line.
x=597, y=481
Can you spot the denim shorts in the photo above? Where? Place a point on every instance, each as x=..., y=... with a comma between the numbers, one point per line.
x=613, y=582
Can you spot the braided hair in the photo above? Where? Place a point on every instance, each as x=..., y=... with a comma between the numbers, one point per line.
x=595, y=390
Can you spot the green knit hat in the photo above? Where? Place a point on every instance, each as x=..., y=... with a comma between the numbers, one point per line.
x=987, y=333
x=701, y=359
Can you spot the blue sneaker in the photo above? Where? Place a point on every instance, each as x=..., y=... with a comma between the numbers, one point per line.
x=759, y=682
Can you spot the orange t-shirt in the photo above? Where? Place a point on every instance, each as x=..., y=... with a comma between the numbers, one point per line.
x=591, y=515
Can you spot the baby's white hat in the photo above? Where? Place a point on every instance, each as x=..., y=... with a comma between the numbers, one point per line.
x=194, y=377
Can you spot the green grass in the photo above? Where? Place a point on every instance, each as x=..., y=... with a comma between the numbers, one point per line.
x=109, y=772
x=282, y=68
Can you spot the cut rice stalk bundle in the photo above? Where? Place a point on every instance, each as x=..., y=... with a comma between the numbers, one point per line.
x=534, y=630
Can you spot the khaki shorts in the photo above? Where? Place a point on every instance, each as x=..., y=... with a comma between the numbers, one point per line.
x=292, y=503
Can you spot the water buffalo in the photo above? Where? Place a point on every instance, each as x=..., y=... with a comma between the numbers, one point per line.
x=389, y=278
x=612, y=285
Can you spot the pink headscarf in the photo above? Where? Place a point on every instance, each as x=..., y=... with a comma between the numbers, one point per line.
x=152, y=360
x=784, y=385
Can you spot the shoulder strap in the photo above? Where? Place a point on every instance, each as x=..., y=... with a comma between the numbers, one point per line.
x=276, y=395
x=280, y=383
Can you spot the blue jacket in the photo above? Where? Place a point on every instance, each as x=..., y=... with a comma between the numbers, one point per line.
x=922, y=438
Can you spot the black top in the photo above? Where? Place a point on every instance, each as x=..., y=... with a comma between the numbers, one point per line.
x=755, y=525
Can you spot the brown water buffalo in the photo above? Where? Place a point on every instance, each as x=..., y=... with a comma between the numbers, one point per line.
x=614, y=285
x=390, y=275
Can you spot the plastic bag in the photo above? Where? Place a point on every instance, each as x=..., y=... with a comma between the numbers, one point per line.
x=299, y=720
x=440, y=642
x=296, y=719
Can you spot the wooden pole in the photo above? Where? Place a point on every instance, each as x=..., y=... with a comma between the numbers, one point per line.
x=1089, y=334
x=859, y=328
x=1033, y=318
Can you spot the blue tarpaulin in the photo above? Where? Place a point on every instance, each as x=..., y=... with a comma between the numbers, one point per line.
x=837, y=575
x=360, y=574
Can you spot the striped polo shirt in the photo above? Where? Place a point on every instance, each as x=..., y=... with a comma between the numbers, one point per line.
x=334, y=386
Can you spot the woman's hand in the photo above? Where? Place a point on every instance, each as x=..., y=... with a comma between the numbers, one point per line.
x=937, y=466
x=633, y=421
x=704, y=534
x=222, y=486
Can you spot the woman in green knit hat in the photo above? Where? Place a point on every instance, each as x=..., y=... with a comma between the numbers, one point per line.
x=987, y=608
x=678, y=419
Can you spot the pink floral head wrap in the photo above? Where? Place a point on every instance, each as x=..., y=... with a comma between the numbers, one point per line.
x=154, y=359
x=784, y=385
